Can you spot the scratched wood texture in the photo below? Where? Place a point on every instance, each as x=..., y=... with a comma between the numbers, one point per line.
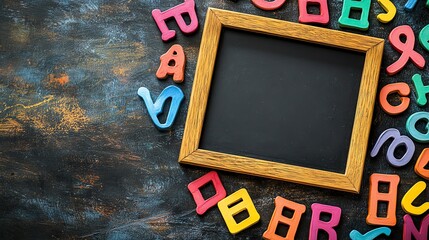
x=79, y=156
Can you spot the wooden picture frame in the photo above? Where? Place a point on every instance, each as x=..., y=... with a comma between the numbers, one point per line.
x=349, y=181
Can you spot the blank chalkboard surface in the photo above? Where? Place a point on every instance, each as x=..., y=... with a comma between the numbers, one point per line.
x=282, y=100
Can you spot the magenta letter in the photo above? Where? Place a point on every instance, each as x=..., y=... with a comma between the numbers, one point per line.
x=187, y=7
x=317, y=224
x=411, y=230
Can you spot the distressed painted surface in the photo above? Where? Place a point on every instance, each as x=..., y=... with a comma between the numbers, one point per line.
x=79, y=156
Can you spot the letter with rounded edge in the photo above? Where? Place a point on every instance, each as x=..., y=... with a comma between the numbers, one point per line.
x=177, y=13
x=424, y=36
x=421, y=163
x=355, y=235
x=405, y=48
x=154, y=109
x=346, y=21
x=390, y=198
x=410, y=4
x=412, y=130
x=172, y=63
x=410, y=196
x=278, y=217
x=317, y=224
x=204, y=204
x=390, y=9
x=398, y=140
x=305, y=17
x=411, y=231
x=421, y=90
x=400, y=88
x=268, y=5
x=235, y=204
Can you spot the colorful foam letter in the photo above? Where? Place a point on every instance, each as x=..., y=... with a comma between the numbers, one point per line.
x=155, y=109
x=424, y=35
x=172, y=63
x=305, y=17
x=403, y=90
x=375, y=196
x=355, y=235
x=278, y=217
x=421, y=163
x=421, y=89
x=410, y=196
x=398, y=140
x=317, y=224
x=268, y=5
x=405, y=48
x=346, y=21
x=188, y=7
x=412, y=130
x=411, y=231
x=235, y=204
x=390, y=9
x=410, y=5
x=204, y=204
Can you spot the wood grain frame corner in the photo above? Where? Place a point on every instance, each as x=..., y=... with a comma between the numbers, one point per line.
x=349, y=181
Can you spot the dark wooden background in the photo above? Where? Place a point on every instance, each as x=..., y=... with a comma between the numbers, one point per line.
x=79, y=156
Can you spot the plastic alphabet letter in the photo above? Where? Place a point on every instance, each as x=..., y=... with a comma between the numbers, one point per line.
x=204, y=204
x=317, y=224
x=424, y=36
x=421, y=89
x=411, y=231
x=375, y=196
x=410, y=196
x=176, y=57
x=278, y=217
x=412, y=130
x=421, y=163
x=240, y=201
x=187, y=7
x=155, y=109
x=410, y=5
x=346, y=21
x=405, y=48
x=390, y=9
x=305, y=17
x=371, y=235
x=403, y=90
x=398, y=140
x=268, y=5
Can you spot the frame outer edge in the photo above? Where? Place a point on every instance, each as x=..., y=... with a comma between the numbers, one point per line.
x=200, y=87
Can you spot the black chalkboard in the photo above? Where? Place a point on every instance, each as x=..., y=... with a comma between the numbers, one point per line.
x=282, y=100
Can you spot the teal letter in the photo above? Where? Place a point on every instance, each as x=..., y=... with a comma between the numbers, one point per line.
x=348, y=6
